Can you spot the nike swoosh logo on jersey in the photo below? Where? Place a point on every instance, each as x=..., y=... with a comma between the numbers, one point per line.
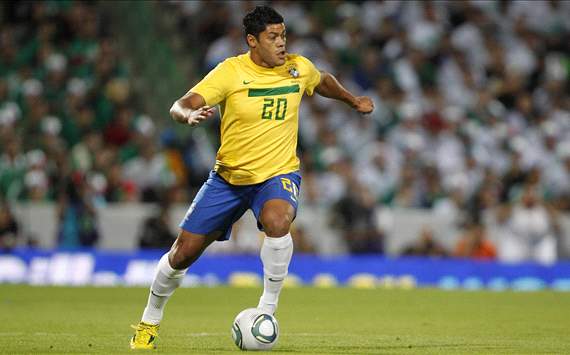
x=245, y=82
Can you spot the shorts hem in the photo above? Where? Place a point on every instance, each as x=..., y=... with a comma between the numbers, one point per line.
x=225, y=234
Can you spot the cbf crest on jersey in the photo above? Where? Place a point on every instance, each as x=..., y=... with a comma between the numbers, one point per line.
x=293, y=71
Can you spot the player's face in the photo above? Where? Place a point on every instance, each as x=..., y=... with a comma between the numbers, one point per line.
x=271, y=45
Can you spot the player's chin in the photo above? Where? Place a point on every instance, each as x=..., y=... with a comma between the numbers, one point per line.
x=278, y=62
x=280, y=59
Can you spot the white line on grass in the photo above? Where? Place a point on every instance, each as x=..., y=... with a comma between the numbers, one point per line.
x=201, y=334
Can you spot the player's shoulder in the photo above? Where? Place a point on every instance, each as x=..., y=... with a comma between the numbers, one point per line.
x=233, y=60
x=227, y=69
x=298, y=59
x=301, y=63
x=230, y=63
x=239, y=61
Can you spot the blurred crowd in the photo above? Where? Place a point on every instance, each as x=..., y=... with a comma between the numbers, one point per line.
x=71, y=129
x=472, y=115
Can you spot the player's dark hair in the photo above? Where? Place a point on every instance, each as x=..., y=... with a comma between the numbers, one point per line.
x=255, y=22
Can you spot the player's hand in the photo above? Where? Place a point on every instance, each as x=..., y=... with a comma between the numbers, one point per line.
x=363, y=104
x=199, y=115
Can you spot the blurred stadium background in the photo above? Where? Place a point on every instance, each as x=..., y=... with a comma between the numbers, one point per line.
x=460, y=178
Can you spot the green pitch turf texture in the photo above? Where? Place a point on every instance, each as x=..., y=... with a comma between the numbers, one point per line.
x=52, y=320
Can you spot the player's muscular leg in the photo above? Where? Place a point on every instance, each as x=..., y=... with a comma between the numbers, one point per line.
x=168, y=277
x=188, y=248
x=276, y=217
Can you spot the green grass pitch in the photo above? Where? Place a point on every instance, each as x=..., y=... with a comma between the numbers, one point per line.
x=51, y=320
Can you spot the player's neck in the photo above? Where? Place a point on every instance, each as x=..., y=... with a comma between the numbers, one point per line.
x=257, y=60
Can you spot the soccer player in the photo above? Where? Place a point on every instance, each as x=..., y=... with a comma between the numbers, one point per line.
x=257, y=168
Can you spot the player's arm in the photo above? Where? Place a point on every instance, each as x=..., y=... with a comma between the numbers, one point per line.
x=191, y=108
x=331, y=88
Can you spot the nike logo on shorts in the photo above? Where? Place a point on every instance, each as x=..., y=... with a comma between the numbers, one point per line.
x=274, y=280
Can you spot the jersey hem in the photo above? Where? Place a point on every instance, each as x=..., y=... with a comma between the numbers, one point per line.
x=226, y=175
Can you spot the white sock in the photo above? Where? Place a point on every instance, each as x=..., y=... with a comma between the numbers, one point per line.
x=166, y=280
x=275, y=255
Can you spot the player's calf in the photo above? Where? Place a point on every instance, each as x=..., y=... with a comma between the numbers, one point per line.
x=166, y=281
x=186, y=250
x=275, y=254
x=169, y=274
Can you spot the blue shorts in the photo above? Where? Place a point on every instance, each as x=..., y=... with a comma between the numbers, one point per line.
x=218, y=204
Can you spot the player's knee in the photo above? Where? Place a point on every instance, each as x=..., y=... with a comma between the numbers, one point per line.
x=276, y=225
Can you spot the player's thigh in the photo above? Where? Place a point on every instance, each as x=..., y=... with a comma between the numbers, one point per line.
x=275, y=204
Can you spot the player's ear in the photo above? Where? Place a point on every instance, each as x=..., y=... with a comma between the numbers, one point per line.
x=251, y=40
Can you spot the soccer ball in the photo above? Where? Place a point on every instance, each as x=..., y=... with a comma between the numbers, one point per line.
x=255, y=330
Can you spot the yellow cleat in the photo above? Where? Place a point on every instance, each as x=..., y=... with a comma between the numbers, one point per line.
x=144, y=337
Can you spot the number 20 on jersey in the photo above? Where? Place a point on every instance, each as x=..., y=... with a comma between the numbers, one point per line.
x=274, y=108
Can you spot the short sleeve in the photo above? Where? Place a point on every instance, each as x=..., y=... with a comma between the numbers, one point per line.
x=313, y=77
x=216, y=84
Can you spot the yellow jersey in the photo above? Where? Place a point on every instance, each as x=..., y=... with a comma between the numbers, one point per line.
x=259, y=110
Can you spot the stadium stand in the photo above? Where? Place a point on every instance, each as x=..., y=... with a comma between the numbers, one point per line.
x=472, y=117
